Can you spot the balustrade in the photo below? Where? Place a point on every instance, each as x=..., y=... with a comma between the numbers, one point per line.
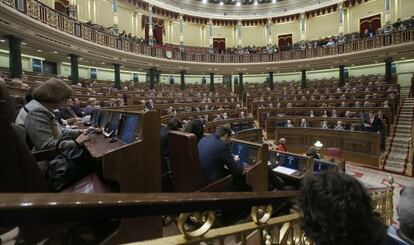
x=103, y=36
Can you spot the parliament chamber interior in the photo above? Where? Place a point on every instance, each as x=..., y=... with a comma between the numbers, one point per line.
x=207, y=122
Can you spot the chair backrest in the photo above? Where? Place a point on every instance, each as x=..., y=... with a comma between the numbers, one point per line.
x=187, y=174
x=334, y=152
x=19, y=171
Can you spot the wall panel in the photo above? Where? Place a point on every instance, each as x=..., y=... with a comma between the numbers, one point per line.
x=322, y=26
x=292, y=27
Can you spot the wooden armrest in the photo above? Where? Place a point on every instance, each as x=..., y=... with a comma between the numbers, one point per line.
x=45, y=154
x=256, y=177
x=217, y=185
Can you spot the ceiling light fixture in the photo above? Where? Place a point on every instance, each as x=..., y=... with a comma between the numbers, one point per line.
x=23, y=43
x=55, y=52
x=204, y=1
x=238, y=3
x=221, y=3
x=273, y=1
x=255, y=2
x=2, y=41
x=39, y=50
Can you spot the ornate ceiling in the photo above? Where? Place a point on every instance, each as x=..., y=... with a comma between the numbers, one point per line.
x=240, y=9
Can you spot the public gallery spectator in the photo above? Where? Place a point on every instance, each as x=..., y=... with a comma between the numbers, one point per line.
x=337, y=210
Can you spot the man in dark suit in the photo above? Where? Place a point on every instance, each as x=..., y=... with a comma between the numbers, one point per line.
x=215, y=156
x=373, y=123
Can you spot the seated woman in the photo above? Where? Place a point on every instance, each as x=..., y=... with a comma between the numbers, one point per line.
x=337, y=210
x=39, y=122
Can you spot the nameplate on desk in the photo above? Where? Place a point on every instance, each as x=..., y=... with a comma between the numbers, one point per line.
x=284, y=170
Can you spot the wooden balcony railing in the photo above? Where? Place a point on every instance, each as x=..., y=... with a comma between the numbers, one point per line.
x=36, y=209
x=101, y=36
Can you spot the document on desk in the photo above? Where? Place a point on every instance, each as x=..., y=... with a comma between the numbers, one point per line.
x=284, y=170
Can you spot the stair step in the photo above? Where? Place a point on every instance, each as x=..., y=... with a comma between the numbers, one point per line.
x=394, y=168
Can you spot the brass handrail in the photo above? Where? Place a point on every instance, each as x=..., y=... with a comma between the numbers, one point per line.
x=25, y=208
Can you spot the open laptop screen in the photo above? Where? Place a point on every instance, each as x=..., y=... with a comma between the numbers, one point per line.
x=113, y=125
x=129, y=128
x=103, y=119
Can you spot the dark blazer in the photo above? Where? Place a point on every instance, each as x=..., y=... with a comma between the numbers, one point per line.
x=375, y=124
x=214, y=155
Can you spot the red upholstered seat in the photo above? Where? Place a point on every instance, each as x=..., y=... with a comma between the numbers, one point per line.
x=334, y=152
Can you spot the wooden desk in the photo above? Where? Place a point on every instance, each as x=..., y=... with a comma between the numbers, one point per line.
x=262, y=114
x=357, y=146
x=136, y=167
x=210, y=127
x=314, y=122
x=98, y=145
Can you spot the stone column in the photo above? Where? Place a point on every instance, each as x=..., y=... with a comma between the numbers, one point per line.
x=341, y=17
x=115, y=15
x=302, y=27
x=341, y=75
x=210, y=35
x=387, y=17
x=152, y=77
x=150, y=27
x=388, y=69
x=271, y=86
x=239, y=34
x=181, y=33
x=212, y=88
x=269, y=32
x=74, y=68
x=241, y=87
x=15, y=57
x=182, y=73
x=73, y=9
x=117, y=70
x=303, y=81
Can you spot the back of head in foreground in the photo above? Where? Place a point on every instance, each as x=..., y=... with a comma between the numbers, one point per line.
x=337, y=210
x=406, y=212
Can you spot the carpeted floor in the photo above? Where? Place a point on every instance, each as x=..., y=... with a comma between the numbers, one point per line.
x=377, y=178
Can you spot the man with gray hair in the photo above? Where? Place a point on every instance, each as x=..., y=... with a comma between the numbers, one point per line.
x=405, y=209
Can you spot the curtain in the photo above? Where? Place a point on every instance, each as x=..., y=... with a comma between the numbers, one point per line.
x=219, y=44
x=284, y=40
x=158, y=30
x=371, y=23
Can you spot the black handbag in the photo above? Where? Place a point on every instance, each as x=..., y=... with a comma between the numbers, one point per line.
x=71, y=165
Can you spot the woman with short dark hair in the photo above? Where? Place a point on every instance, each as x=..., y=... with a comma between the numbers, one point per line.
x=337, y=210
x=37, y=121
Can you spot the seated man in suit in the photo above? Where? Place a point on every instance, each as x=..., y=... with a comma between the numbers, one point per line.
x=217, y=161
x=373, y=123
